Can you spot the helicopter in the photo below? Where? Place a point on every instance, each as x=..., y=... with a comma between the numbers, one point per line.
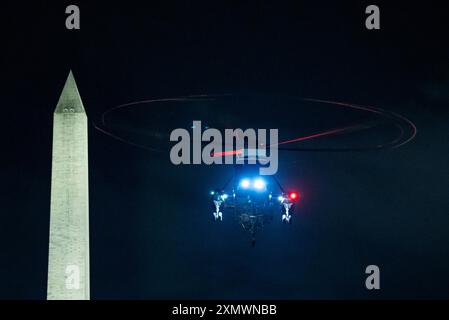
x=252, y=198
x=249, y=195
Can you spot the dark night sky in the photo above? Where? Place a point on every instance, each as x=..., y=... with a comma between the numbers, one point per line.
x=151, y=232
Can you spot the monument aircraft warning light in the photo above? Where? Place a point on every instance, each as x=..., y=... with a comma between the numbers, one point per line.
x=68, y=260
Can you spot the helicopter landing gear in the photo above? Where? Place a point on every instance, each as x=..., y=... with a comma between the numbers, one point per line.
x=218, y=215
x=287, y=217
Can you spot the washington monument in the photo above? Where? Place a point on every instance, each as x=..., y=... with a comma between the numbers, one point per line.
x=68, y=261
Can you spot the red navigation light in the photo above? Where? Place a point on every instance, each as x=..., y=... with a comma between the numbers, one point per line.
x=293, y=196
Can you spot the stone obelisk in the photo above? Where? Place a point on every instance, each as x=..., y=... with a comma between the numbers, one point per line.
x=68, y=261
